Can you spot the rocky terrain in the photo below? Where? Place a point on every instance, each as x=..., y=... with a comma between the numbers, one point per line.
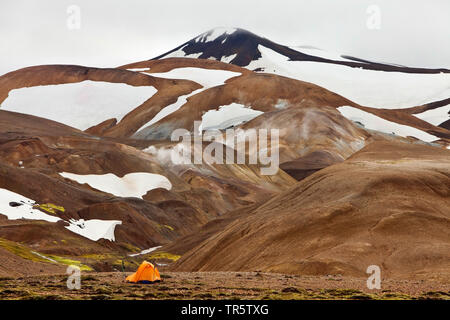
x=219, y=286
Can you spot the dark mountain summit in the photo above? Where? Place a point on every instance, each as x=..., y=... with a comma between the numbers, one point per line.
x=240, y=47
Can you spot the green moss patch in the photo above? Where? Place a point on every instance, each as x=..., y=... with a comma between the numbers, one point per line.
x=20, y=250
x=70, y=262
x=50, y=208
x=163, y=255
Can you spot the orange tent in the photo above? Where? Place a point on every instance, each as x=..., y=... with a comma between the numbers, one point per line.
x=146, y=273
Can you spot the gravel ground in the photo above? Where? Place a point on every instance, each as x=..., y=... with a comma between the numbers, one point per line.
x=218, y=285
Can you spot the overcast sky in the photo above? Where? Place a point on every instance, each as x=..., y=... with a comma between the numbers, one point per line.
x=113, y=33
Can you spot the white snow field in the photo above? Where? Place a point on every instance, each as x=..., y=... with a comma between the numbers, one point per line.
x=135, y=184
x=377, y=89
x=373, y=122
x=227, y=116
x=23, y=211
x=319, y=53
x=208, y=78
x=79, y=105
x=91, y=229
x=94, y=229
x=435, y=116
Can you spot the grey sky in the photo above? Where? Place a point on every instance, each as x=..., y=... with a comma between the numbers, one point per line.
x=414, y=33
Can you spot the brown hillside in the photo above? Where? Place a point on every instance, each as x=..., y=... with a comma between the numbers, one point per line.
x=387, y=205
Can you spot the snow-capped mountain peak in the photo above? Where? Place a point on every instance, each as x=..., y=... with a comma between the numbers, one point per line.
x=241, y=47
x=215, y=33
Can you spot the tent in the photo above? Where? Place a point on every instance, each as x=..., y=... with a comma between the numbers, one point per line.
x=146, y=273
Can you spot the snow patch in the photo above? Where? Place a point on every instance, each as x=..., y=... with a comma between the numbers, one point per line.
x=206, y=77
x=146, y=251
x=43, y=257
x=139, y=69
x=319, y=53
x=435, y=116
x=135, y=184
x=373, y=122
x=377, y=89
x=15, y=206
x=80, y=105
x=227, y=116
x=193, y=55
x=228, y=59
x=181, y=54
x=94, y=229
x=170, y=109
